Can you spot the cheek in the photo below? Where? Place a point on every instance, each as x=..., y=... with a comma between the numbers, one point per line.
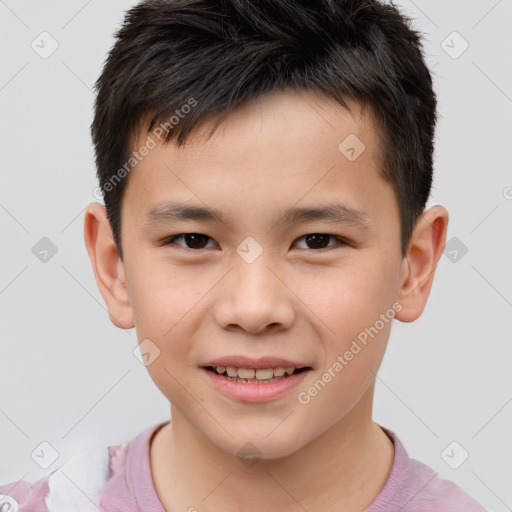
x=348, y=373
x=354, y=313
x=163, y=295
x=348, y=299
x=163, y=305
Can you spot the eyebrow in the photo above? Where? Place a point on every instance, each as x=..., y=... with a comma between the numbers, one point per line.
x=179, y=212
x=335, y=213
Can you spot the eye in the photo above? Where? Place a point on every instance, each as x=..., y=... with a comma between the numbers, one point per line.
x=320, y=241
x=190, y=240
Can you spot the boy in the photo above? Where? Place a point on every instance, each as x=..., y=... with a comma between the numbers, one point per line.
x=265, y=168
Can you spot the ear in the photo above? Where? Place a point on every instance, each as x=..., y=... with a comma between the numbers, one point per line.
x=107, y=266
x=419, y=264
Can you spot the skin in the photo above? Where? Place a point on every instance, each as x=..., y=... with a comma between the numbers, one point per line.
x=295, y=301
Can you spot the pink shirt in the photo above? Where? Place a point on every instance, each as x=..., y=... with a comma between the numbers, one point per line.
x=118, y=479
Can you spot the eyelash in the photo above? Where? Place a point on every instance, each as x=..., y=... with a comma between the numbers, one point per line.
x=341, y=241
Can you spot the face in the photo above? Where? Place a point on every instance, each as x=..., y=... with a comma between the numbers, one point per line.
x=266, y=246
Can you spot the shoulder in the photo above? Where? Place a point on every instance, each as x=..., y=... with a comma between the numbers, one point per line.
x=75, y=485
x=434, y=493
x=412, y=486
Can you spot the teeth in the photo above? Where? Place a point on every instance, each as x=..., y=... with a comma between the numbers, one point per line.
x=246, y=373
x=231, y=371
x=266, y=373
x=251, y=373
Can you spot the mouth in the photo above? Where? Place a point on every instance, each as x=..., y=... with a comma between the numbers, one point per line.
x=251, y=380
x=256, y=375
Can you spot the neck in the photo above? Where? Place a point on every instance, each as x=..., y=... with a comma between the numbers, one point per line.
x=344, y=468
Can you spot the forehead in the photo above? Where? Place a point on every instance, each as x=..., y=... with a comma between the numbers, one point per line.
x=284, y=116
x=289, y=146
x=293, y=109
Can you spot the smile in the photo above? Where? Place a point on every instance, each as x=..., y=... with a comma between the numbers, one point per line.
x=255, y=375
x=255, y=384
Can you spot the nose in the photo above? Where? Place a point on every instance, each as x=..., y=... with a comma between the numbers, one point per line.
x=254, y=298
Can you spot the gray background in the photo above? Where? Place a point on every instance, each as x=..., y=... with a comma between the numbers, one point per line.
x=68, y=377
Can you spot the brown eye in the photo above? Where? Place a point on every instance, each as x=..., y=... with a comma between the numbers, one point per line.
x=318, y=241
x=190, y=240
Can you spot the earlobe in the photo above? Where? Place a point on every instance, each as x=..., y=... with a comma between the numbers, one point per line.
x=418, y=267
x=107, y=266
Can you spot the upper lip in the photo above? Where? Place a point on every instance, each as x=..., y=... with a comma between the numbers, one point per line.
x=239, y=361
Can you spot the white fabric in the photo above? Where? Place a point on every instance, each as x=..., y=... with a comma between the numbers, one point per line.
x=76, y=486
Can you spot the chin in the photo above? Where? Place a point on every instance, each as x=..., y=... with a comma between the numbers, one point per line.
x=259, y=445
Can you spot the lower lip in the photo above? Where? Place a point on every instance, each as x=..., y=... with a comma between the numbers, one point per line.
x=255, y=391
